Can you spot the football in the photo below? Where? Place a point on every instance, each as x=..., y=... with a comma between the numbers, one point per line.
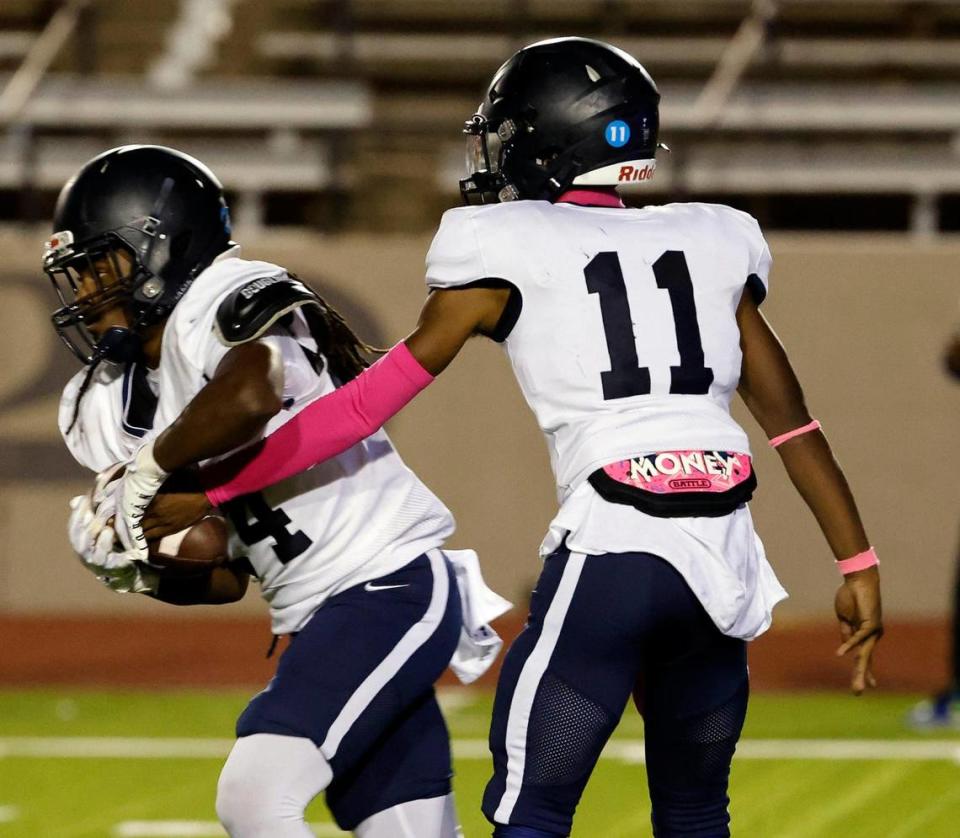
x=193, y=551
x=190, y=552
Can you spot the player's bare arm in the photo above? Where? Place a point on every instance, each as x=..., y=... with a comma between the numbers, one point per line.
x=772, y=393
x=243, y=395
x=231, y=410
x=228, y=412
x=451, y=317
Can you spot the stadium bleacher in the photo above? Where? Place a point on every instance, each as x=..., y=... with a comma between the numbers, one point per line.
x=347, y=98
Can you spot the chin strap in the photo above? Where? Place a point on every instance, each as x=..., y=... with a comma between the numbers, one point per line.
x=119, y=345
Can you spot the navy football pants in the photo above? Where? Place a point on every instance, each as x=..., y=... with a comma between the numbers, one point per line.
x=358, y=680
x=601, y=628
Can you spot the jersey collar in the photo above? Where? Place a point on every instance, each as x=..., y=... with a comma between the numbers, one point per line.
x=591, y=198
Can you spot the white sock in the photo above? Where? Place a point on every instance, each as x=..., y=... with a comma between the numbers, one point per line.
x=266, y=784
x=435, y=817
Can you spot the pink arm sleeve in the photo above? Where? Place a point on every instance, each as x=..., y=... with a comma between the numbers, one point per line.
x=326, y=427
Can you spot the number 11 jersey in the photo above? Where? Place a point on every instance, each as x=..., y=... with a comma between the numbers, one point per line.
x=622, y=333
x=626, y=341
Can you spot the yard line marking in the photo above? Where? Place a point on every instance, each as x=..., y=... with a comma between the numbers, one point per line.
x=113, y=747
x=622, y=750
x=454, y=699
x=9, y=813
x=470, y=748
x=168, y=829
x=197, y=829
x=850, y=749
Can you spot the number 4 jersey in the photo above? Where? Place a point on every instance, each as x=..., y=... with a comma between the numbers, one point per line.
x=622, y=333
x=356, y=517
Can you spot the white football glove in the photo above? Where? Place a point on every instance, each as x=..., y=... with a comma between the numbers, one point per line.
x=91, y=513
x=101, y=486
x=140, y=483
x=95, y=544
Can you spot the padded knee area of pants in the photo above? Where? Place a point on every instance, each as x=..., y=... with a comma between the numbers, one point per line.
x=689, y=768
x=566, y=732
x=266, y=784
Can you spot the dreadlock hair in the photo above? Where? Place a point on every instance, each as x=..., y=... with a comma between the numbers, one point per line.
x=337, y=342
x=87, y=378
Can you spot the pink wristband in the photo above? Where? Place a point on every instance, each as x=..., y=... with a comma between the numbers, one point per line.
x=868, y=558
x=777, y=441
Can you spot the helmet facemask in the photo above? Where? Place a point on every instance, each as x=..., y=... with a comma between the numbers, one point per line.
x=90, y=279
x=140, y=224
x=489, y=146
x=486, y=146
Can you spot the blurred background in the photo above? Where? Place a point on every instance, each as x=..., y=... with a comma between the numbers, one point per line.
x=335, y=127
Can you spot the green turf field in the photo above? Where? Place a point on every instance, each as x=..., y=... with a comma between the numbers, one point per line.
x=139, y=764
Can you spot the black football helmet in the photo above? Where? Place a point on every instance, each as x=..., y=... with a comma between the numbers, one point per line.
x=562, y=113
x=135, y=226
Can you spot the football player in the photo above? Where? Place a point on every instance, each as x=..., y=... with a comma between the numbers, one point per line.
x=943, y=708
x=191, y=351
x=629, y=331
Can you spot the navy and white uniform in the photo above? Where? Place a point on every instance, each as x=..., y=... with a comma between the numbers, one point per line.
x=347, y=555
x=622, y=333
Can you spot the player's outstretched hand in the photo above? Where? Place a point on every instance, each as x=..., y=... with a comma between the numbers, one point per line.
x=171, y=512
x=858, y=608
x=140, y=483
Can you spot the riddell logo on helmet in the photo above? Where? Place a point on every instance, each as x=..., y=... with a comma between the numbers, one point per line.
x=632, y=174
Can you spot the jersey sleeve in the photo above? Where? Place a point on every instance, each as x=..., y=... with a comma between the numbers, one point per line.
x=455, y=257
x=758, y=254
x=191, y=337
x=758, y=280
x=195, y=335
x=93, y=439
x=300, y=377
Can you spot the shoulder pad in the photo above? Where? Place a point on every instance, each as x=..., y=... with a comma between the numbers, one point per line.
x=248, y=311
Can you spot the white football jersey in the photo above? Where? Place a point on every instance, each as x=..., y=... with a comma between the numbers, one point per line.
x=626, y=343
x=627, y=340
x=353, y=518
